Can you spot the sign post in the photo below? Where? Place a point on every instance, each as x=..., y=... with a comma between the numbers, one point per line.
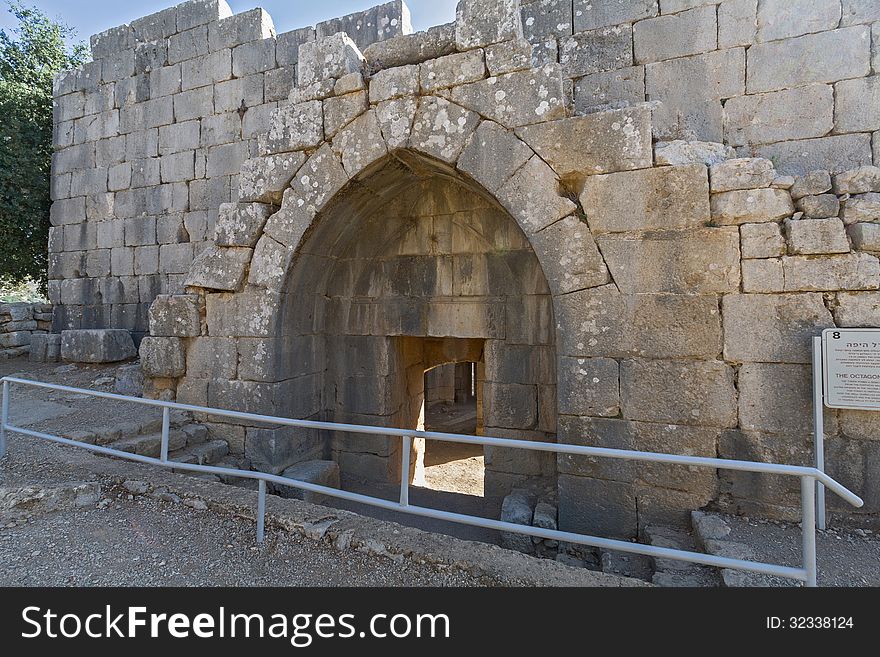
x=846, y=375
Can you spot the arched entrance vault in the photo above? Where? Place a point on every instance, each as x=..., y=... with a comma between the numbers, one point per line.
x=394, y=250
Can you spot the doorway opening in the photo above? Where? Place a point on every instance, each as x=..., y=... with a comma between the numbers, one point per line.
x=452, y=404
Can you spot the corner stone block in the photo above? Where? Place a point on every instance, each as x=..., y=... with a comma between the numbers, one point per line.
x=97, y=346
x=163, y=357
x=176, y=316
x=241, y=225
x=219, y=268
x=696, y=261
x=604, y=142
x=650, y=199
x=773, y=329
x=516, y=99
x=481, y=23
x=332, y=57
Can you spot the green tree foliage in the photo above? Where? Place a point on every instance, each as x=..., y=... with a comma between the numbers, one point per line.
x=29, y=58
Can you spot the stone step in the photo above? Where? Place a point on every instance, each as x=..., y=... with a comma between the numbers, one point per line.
x=208, y=453
x=151, y=444
x=669, y=572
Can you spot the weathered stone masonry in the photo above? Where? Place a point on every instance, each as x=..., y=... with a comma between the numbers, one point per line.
x=552, y=191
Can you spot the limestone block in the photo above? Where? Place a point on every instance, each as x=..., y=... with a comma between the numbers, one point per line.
x=696, y=261
x=601, y=322
x=201, y=12
x=264, y=179
x=762, y=241
x=614, y=89
x=176, y=316
x=778, y=19
x=767, y=118
x=241, y=224
x=569, y=256
x=605, y=142
x=452, y=70
x=597, y=507
x=865, y=237
x=68, y=211
x=860, y=425
x=480, y=23
x=360, y=144
x=278, y=84
x=700, y=393
x=493, y=155
x=589, y=386
x=295, y=128
x=97, y=346
x=816, y=236
x=442, y=128
x=411, y=48
x=532, y=197
x=591, y=15
x=680, y=152
x=853, y=271
x=211, y=358
x=518, y=55
x=861, y=208
x=349, y=84
x=163, y=357
x=857, y=107
x=750, y=206
x=649, y=199
x=331, y=57
x=510, y=405
x=342, y=110
x=742, y=173
x=815, y=183
x=270, y=263
x=776, y=398
x=218, y=268
x=396, y=120
x=803, y=60
x=596, y=51
x=150, y=56
x=737, y=23
x=393, y=83
x=546, y=17
x=763, y=276
x=253, y=25
x=773, y=329
x=253, y=57
x=819, y=207
x=319, y=473
x=836, y=153
x=112, y=40
x=516, y=99
x=862, y=180
x=667, y=37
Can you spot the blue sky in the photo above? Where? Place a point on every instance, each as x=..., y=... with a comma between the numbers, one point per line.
x=98, y=15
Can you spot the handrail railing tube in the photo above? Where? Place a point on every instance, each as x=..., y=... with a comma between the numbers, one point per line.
x=809, y=477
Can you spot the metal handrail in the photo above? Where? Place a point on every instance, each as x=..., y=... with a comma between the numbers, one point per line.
x=808, y=476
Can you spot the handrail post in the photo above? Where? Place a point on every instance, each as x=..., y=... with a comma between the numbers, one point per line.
x=808, y=526
x=166, y=432
x=4, y=419
x=261, y=513
x=404, y=471
x=819, y=424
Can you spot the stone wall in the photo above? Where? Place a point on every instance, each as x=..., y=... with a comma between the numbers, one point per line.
x=19, y=322
x=661, y=205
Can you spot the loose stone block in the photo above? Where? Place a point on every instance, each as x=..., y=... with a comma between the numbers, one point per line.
x=571, y=260
x=854, y=271
x=218, y=268
x=493, y=155
x=649, y=199
x=441, y=128
x=678, y=262
x=773, y=329
x=617, y=140
x=799, y=113
x=857, y=105
x=589, y=387
x=480, y=23
x=762, y=241
x=591, y=15
x=667, y=37
x=750, y=206
x=816, y=236
x=175, y=316
x=763, y=276
x=803, y=60
x=241, y=224
x=163, y=357
x=596, y=51
x=679, y=152
x=329, y=58
x=688, y=393
x=264, y=179
x=819, y=207
x=742, y=173
x=857, y=310
x=516, y=99
x=452, y=71
x=865, y=237
x=861, y=208
x=97, y=346
x=858, y=181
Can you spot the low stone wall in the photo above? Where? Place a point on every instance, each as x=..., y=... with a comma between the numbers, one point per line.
x=19, y=322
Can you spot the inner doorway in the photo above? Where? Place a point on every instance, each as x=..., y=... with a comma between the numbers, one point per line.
x=453, y=404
